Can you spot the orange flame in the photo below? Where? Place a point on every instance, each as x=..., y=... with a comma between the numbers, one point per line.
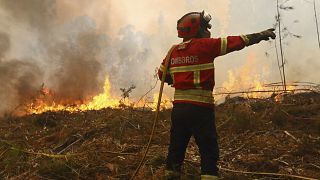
x=166, y=102
x=99, y=101
x=246, y=79
x=46, y=102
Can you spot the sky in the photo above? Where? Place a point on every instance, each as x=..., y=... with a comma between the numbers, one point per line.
x=70, y=46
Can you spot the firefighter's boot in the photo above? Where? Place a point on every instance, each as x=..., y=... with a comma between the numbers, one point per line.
x=209, y=177
x=172, y=175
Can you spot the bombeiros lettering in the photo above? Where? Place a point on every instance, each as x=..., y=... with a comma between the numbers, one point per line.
x=185, y=60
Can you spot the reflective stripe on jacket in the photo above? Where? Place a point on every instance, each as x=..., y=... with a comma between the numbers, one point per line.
x=191, y=67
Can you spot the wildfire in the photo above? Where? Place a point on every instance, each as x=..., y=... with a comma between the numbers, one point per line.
x=245, y=82
x=246, y=78
x=102, y=100
x=165, y=102
x=46, y=102
x=242, y=80
x=258, y=86
x=99, y=101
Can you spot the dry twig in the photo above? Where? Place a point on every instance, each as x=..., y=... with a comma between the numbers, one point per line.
x=267, y=174
x=223, y=123
x=290, y=135
x=257, y=173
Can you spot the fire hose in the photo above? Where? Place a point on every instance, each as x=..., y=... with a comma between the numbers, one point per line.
x=164, y=73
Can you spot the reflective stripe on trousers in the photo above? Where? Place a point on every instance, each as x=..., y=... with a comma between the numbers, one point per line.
x=209, y=177
x=172, y=175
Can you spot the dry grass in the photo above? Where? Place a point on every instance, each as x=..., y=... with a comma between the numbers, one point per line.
x=255, y=135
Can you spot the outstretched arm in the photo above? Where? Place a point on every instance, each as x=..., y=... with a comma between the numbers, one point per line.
x=235, y=43
x=257, y=37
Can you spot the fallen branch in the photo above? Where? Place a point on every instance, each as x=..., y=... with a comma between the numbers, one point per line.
x=238, y=149
x=257, y=173
x=290, y=135
x=236, y=137
x=234, y=151
x=68, y=143
x=65, y=156
x=223, y=123
x=2, y=153
x=295, y=82
x=285, y=163
x=262, y=91
x=39, y=153
x=118, y=153
x=267, y=174
x=78, y=137
x=67, y=147
x=313, y=165
x=128, y=121
x=294, y=117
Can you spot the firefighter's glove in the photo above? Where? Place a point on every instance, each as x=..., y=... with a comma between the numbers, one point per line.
x=265, y=35
x=168, y=80
x=257, y=37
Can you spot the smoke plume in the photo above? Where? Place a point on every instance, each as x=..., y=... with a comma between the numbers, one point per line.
x=19, y=79
x=51, y=44
x=70, y=47
x=64, y=56
x=19, y=83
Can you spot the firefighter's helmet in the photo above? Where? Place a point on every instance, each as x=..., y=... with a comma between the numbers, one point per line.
x=191, y=24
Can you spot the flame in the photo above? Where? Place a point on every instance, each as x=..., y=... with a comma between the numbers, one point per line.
x=244, y=82
x=166, y=102
x=247, y=78
x=46, y=102
x=46, y=91
x=100, y=101
x=242, y=79
x=290, y=89
x=258, y=86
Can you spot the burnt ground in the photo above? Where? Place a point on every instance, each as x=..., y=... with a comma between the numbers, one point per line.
x=255, y=135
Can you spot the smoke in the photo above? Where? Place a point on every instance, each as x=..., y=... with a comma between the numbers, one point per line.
x=4, y=44
x=64, y=56
x=78, y=70
x=49, y=43
x=128, y=64
x=71, y=46
x=19, y=79
x=19, y=83
x=36, y=13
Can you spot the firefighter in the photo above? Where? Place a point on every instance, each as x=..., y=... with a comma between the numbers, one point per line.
x=191, y=73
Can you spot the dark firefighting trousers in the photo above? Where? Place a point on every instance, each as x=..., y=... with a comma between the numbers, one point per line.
x=188, y=120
